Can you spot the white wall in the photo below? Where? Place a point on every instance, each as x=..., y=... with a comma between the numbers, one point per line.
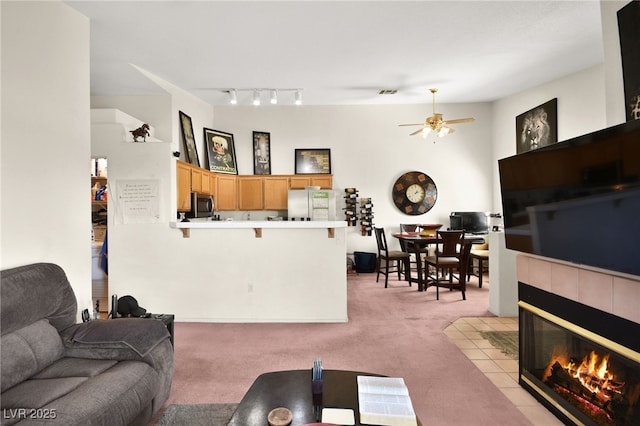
x=581, y=109
x=369, y=152
x=46, y=185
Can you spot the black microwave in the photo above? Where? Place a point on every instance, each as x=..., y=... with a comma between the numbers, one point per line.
x=201, y=205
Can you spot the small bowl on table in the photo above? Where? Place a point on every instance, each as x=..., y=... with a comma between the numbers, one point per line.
x=280, y=417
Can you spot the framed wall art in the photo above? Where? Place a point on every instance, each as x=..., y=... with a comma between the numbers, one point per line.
x=537, y=127
x=261, y=153
x=221, y=152
x=629, y=41
x=312, y=161
x=190, y=151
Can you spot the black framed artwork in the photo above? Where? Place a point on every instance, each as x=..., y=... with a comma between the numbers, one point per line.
x=221, y=151
x=190, y=151
x=629, y=31
x=537, y=127
x=313, y=161
x=261, y=153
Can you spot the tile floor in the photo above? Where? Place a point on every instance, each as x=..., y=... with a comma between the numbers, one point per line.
x=499, y=368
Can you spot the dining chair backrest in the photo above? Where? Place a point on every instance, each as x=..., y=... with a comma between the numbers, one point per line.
x=407, y=227
x=381, y=240
x=465, y=254
x=450, y=242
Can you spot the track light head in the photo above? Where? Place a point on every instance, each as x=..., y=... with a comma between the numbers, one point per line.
x=298, y=97
x=256, y=97
x=274, y=97
x=233, y=97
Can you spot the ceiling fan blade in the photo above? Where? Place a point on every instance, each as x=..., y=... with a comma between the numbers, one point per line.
x=416, y=132
x=421, y=124
x=460, y=120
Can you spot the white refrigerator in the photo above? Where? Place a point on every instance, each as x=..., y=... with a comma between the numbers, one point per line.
x=312, y=204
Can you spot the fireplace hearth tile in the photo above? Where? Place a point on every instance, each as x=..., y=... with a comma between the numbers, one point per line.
x=503, y=373
x=596, y=290
x=626, y=299
x=564, y=281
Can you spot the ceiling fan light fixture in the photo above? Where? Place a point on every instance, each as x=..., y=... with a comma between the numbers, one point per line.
x=425, y=132
x=444, y=131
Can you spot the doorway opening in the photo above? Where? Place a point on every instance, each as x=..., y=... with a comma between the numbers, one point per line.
x=99, y=252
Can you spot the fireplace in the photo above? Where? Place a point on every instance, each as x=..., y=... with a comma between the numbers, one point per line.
x=580, y=362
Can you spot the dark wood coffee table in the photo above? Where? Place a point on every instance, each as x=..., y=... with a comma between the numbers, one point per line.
x=292, y=389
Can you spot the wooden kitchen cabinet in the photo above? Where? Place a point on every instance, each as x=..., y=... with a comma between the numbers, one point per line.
x=245, y=192
x=250, y=193
x=226, y=196
x=302, y=181
x=196, y=180
x=212, y=184
x=183, y=179
x=323, y=181
x=276, y=193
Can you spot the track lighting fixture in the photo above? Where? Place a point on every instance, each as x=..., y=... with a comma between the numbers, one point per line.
x=273, y=95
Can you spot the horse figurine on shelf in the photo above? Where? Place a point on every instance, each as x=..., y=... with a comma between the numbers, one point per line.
x=140, y=132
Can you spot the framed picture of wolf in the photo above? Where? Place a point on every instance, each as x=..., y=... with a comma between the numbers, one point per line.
x=537, y=127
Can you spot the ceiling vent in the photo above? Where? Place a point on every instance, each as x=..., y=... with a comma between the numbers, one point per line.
x=387, y=92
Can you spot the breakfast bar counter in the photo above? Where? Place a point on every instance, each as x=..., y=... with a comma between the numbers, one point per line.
x=245, y=271
x=257, y=225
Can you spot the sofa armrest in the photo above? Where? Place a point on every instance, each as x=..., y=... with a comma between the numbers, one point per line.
x=126, y=339
x=121, y=339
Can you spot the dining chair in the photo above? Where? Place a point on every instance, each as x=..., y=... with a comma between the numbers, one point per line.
x=447, y=259
x=479, y=253
x=408, y=247
x=394, y=260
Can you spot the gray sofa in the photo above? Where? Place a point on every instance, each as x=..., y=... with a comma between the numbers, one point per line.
x=57, y=372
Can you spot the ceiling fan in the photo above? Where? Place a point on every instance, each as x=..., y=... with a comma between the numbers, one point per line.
x=436, y=123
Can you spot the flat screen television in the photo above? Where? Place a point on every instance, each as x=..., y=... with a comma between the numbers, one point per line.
x=470, y=222
x=577, y=200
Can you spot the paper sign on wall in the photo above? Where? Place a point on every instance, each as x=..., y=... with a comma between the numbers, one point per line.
x=137, y=201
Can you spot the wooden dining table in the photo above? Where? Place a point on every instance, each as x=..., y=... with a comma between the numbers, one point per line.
x=417, y=243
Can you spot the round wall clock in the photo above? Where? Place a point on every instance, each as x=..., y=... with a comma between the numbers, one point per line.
x=414, y=193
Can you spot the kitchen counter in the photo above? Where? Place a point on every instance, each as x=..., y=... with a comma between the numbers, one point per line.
x=254, y=271
x=257, y=225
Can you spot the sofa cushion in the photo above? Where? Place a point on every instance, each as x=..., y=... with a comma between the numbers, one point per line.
x=75, y=367
x=33, y=292
x=36, y=393
x=27, y=351
x=116, y=396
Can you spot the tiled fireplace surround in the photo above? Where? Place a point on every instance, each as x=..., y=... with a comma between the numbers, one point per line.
x=615, y=294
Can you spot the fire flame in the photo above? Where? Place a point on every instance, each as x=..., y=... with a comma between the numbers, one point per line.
x=593, y=372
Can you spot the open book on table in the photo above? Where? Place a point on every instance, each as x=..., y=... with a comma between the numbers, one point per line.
x=385, y=401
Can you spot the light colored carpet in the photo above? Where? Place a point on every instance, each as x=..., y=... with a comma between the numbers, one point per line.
x=197, y=415
x=395, y=331
x=506, y=341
